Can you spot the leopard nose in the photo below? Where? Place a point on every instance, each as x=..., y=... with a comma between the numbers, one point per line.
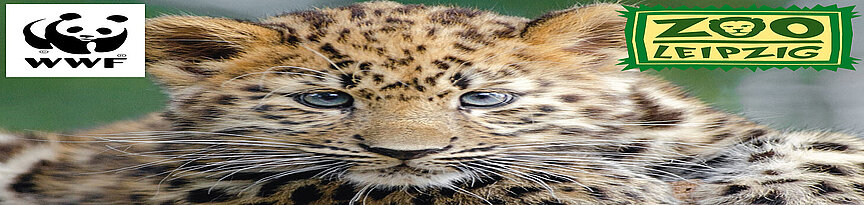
x=401, y=154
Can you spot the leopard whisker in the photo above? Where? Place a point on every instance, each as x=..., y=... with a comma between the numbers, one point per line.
x=169, y=134
x=323, y=159
x=266, y=166
x=466, y=192
x=217, y=142
x=229, y=151
x=153, y=163
x=304, y=169
x=483, y=171
x=169, y=174
x=507, y=166
x=267, y=96
x=273, y=72
x=472, y=176
x=325, y=58
x=616, y=142
x=263, y=76
x=568, y=177
x=519, y=174
x=235, y=172
x=594, y=158
x=606, y=141
x=359, y=194
x=275, y=176
x=365, y=196
x=222, y=165
x=224, y=155
x=634, y=165
x=611, y=154
x=542, y=165
x=177, y=172
x=199, y=155
x=332, y=170
x=597, y=146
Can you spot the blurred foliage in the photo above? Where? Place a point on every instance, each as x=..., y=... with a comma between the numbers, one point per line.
x=70, y=103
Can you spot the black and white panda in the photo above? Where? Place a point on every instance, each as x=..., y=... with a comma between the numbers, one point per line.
x=72, y=34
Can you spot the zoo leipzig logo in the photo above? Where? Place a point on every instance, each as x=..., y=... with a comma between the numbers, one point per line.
x=726, y=38
x=75, y=40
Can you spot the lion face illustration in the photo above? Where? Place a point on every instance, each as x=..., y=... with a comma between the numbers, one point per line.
x=737, y=27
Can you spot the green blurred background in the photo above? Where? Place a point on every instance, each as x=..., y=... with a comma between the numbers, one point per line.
x=58, y=104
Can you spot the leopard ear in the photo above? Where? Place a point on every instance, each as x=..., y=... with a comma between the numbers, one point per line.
x=180, y=49
x=591, y=34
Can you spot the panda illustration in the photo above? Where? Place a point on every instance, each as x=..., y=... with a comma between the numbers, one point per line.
x=72, y=34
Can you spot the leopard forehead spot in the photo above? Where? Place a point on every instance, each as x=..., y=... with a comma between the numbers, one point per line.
x=392, y=51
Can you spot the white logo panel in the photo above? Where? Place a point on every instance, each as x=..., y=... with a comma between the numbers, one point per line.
x=75, y=40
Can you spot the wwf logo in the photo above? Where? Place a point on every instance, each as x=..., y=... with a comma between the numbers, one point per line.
x=75, y=35
x=75, y=40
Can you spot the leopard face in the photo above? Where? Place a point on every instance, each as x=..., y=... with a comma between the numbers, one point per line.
x=388, y=95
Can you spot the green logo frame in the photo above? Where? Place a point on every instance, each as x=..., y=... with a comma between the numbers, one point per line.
x=689, y=27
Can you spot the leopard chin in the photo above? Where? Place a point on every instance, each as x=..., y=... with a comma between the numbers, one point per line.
x=403, y=176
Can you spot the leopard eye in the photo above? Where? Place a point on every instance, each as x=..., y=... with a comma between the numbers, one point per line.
x=485, y=99
x=326, y=100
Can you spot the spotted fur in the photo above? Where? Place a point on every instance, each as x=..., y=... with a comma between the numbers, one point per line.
x=579, y=131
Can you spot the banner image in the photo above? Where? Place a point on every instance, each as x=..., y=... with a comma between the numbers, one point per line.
x=457, y=102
